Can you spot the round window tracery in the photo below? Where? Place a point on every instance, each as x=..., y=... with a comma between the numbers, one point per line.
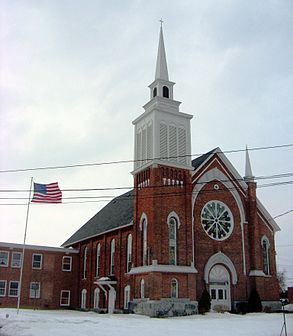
x=217, y=220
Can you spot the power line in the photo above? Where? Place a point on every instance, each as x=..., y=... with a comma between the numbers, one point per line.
x=263, y=177
x=172, y=193
x=132, y=161
x=283, y=214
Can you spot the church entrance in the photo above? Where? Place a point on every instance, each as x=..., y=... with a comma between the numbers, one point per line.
x=219, y=284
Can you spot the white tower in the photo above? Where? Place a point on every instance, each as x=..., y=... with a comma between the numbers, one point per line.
x=162, y=133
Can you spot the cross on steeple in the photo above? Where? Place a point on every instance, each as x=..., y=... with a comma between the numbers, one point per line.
x=161, y=22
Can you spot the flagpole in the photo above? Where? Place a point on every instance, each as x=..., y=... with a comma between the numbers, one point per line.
x=23, y=247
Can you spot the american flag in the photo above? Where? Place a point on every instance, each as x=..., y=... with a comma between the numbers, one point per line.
x=47, y=193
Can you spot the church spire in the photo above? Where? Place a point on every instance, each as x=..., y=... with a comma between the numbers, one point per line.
x=161, y=66
x=248, y=171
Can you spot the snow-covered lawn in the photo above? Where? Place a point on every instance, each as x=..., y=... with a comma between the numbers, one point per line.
x=71, y=323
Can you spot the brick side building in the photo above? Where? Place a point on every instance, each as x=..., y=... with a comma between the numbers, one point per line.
x=49, y=276
x=186, y=226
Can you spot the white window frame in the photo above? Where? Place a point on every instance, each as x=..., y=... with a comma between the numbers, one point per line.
x=12, y=260
x=33, y=261
x=267, y=256
x=66, y=263
x=144, y=247
x=6, y=263
x=85, y=253
x=98, y=255
x=35, y=293
x=129, y=253
x=9, y=293
x=67, y=304
x=126, y=296
x=96, y=297
x=112, y=257
x=142, y=289
x=83, y=299
x=172, y=241
x=176, y=288
x=5, y=288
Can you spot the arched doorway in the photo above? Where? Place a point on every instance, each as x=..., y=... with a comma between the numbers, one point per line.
x=219, y=285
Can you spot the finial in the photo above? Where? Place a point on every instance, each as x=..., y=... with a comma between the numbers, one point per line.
x=248, y=171
x=161, y=22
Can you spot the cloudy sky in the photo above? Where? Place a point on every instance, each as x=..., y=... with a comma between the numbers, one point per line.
x=74, y=74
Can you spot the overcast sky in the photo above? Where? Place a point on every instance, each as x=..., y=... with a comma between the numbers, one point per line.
x=74, y=74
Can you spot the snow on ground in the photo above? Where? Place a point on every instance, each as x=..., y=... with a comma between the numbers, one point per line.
x=74, y=323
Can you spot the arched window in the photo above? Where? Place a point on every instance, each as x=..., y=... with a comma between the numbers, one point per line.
x=85, y=253
x=172, y=224
x=98, y=260
x=112, y=258
x=129, y=253
x=165, y=92
x=144, y=246
x=96, y=298
x=126, y=296
x=83, y=299
x=155, y=92
x=174, y=288
x=265, y=255
x=142, y=288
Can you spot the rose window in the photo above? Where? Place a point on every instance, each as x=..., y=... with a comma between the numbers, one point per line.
x=217, y=220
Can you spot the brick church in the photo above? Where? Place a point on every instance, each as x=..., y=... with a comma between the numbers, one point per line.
x=187, y=225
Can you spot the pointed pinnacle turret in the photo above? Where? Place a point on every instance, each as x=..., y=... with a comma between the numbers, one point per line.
x=248, y=171
x=161, y=67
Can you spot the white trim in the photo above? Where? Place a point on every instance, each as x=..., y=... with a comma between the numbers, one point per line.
x=41, y=261
x=173, y=214
x=35, y=293
x=5, y=288
x=38, y=247
x=70, y=263
x=13, y=288
x=257, y=273
x=220, y=258
x=216, y=174
x=267, y=216
x=163, y=269
x=96, y=297
x=7, y=263
x=65, y=304
x=11, y=261
x=176, y=294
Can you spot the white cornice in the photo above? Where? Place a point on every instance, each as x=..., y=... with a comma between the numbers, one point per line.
x=256, y=273
x=162, y=269
x=38, y=247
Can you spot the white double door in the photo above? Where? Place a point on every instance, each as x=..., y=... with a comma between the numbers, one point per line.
x=219, y=284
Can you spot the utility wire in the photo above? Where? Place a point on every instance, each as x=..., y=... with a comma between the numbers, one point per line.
x=172, y=193
x=132, y=161
x=263, y=177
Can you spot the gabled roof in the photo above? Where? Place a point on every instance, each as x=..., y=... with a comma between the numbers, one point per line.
x=117, y=213
x=197, y=163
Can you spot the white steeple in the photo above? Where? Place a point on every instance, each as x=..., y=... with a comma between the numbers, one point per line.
x=248, y=171
x=161, y=67
x=162, y=132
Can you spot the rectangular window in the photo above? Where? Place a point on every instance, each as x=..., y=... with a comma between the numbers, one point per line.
x=13, y=288
x=213, y=294
x=16, y=260
x=4, y=258
x=220, y=294
x=65, y=298
x=35, y=290
x=37, y=261
x=66, y=263
x=3, y=287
